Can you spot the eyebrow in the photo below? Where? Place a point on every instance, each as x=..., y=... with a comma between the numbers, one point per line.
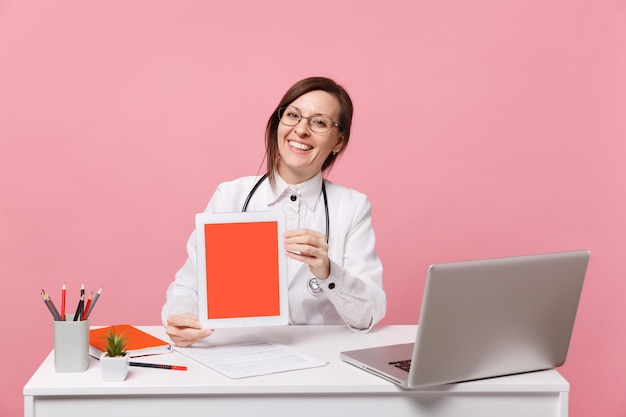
x=314, y=114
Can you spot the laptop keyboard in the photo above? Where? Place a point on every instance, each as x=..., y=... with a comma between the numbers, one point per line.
x=405, y=365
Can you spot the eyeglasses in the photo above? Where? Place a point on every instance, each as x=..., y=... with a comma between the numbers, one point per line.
x=317, y=123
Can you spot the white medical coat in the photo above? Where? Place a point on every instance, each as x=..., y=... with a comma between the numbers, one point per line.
x=352, y=294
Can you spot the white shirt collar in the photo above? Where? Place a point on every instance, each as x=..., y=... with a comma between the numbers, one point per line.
x=309, y=190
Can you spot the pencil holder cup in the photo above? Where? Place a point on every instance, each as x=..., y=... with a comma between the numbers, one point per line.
x=71, y=345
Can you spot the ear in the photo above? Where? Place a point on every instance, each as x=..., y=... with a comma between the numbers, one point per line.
x=339, y=145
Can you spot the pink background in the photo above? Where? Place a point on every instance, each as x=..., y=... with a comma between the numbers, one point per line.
x=482, y=128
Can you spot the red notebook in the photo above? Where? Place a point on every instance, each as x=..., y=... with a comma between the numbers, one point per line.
x=138, y=342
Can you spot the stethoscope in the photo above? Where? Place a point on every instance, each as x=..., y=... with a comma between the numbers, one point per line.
x=313, y=284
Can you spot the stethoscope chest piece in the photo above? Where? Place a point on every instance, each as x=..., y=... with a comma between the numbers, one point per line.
x=314, y=286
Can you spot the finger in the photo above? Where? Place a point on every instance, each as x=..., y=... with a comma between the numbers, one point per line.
x=318, y=266
x=181, y=342
x=317, y=248
x=184, y=320
x=299, y=252
x=304, y=232
x=293, y=233
x=304, y=243
x=187, y=336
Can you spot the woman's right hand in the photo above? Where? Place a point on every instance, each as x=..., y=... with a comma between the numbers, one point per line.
x=185, y=329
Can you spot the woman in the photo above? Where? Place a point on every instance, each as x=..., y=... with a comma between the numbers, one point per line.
x=308, y=130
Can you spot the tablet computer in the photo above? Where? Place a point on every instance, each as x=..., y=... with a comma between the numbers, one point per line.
x=242, y=269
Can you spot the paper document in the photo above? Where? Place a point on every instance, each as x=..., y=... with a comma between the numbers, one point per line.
x=249, y=358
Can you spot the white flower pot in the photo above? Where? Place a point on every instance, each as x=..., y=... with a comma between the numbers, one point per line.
x=114, y=369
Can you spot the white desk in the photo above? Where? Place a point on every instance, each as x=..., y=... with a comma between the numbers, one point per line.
x=337, y=389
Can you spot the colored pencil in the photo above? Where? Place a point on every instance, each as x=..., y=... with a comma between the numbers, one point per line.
x=79, y=308
x=158, y=365
x=63, y=299
x=87, y=305
x=93, y=303
x=50, y=305
x=82, y=297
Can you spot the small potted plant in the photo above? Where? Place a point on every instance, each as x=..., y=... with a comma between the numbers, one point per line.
x=114, y=362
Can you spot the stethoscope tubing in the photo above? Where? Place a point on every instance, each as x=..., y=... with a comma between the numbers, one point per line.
x=313, y=284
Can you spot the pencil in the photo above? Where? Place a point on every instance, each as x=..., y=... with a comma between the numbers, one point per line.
x=48, y=300
x=50, y=305
x=79, y=308
x=93, y=303
x=56, y=312
x=82, y=297
x=87, y=305
x=63, y=297
x=158, y=365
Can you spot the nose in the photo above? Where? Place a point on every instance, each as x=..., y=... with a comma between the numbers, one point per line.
x=302, y=127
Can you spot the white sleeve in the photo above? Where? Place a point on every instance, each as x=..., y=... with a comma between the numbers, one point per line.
x=355, y=286
x=182, y=294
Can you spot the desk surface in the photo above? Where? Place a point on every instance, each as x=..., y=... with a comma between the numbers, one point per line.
x=321, y=342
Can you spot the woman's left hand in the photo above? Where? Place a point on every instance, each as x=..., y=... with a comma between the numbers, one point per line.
x=309, y=246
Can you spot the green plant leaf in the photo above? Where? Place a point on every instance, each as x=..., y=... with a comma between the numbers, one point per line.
x=115, y=343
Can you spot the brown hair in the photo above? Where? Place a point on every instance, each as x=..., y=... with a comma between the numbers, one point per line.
x=298, y=89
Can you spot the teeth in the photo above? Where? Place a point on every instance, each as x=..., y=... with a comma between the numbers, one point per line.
x=300, y=146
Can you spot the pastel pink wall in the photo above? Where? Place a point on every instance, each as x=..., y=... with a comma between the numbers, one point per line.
x=481, y=129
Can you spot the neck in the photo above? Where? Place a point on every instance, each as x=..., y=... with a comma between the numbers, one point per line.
x=294, y=178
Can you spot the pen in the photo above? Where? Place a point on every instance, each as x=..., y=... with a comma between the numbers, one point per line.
x=158, y=365
x=50, y=305
x=63, y=296
x=93, y=303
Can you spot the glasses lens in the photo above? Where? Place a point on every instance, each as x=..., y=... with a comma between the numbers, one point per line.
x=320, y=124
x=289, y=117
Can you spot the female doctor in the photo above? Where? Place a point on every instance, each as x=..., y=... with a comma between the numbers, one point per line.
x=335, y=275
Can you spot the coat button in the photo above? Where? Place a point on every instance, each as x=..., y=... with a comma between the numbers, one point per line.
x=293, y=197
x=331, y=285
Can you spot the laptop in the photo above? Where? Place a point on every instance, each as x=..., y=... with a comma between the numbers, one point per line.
x=486, y=318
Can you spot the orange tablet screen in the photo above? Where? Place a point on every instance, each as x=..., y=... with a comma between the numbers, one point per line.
x=242, y=272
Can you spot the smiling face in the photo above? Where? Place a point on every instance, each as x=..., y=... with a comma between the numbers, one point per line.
x=302, y=151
